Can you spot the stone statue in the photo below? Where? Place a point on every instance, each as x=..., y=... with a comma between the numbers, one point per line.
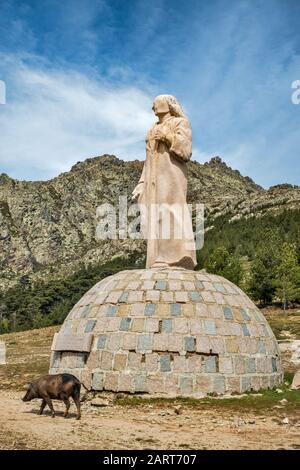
x=162, y=188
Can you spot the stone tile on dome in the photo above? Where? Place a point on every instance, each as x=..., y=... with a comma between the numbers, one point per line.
x=201, y=277
x=137, y=325
x=174, y=275
x=186, y=385
x=175, y=285
x=113, y=324
x=189, y=343
x=160, y=342
x=163, y=310
x=228, y=314
x=160, y=275
x=207, y=296
x=140, y=384
x=135, y=360
x=115, y=341
x=166, y=325
x=151, y=325
x=201, y=310
x=216, y=345
x=101, y=341
x=245, y=329
x=151, y=362
x=208, y=286
x=126, y=383
x=165, y=363
x=231, y=345
x=180, y=325
x=195, y=326
x=261, y=346
x=188, y=310
x=199, y=285
x=147, y=274
x=161, y=285
x=195, y=296
x=167, y=296
x=133, y=285
x=144, y=343
x=155, y=384
x=111, y=310
x=113, y=297
x=203, y=344
x=210, y=364
x=245, y=384
x=209, y=327
x=148, y=285
x=180, y=364
x=106, y=360
x=175, y=309
x=204, y=382
x=100, y=326
x=137, y=309
x=123, y=297
x=219, y=287
x=219, y=298
x=175, y=343
x=135, y=296
x=194, y=363
x=215, y=311
x=111, y=381
x=185, y=276
x=149, y=309
x=153, y=295
x=188, y=285
x=250, y=365
x=120, y=361
x=125, y=323
x=219, y=384
x=129, y=341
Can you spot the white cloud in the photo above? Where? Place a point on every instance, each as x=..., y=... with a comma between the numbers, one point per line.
x=54, y=118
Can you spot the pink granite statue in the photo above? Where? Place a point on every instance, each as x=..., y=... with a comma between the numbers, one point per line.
x=161, y=191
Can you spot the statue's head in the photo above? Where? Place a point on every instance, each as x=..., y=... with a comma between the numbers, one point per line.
x=167, y=104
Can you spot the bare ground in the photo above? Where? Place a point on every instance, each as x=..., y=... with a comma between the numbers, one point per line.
x=142, y=427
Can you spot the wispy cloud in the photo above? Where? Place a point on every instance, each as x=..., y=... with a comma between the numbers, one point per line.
x=58, y=117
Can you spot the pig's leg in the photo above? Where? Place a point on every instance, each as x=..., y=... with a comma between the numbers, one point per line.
x=49, y=403
x=44, y=403
x=68, y=404
x=76, y=398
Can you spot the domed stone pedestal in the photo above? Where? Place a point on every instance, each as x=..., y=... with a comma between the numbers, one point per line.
x=169, y=332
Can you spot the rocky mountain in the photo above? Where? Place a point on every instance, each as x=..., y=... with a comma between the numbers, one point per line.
x=47, y=228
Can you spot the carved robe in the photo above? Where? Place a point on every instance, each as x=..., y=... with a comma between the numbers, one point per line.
x=164, y=183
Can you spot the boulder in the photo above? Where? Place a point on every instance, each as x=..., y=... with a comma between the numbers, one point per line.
x=296, y=380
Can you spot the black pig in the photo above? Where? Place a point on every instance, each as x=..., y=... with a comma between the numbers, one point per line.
x=59, y=387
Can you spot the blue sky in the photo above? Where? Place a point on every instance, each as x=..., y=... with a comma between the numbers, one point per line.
x=81, y=76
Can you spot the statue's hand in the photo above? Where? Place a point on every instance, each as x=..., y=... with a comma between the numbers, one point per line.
x=159, y=134
x=136, y=192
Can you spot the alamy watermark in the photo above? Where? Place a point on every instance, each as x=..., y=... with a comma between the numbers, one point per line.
x=2, y=92
x=296, y=94
x=151, y=222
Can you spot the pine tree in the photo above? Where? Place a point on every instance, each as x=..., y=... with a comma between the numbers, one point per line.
x=224, y=264
x=288, y=275
x=264, y=268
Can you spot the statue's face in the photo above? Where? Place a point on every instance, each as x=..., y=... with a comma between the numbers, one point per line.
x=160, y=106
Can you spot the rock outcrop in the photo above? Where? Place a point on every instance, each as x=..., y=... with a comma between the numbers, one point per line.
x=47, y=228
